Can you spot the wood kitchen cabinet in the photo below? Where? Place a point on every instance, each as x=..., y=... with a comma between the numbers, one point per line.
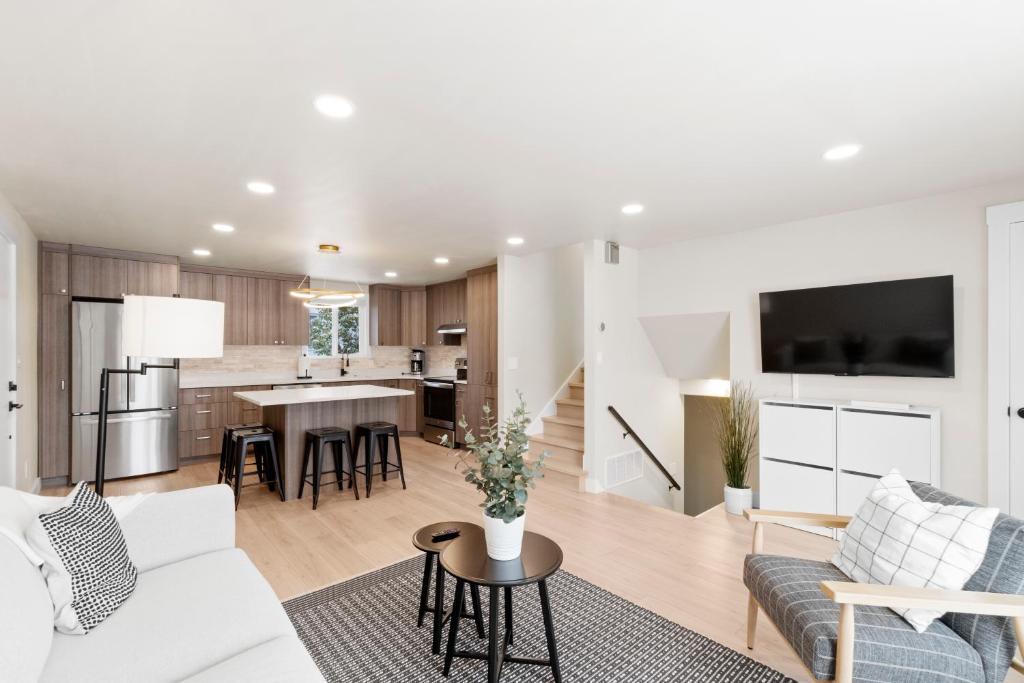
x=294, y=317
x=147, y=278
x=98, y=276
x=408, y=423
x=482, y=322
x=53, y=272
x=420, y=421
x=414, y=317
x=385, y=316
x=263, y=311
x=231, y=290
x=445, y=303
x=54, y=385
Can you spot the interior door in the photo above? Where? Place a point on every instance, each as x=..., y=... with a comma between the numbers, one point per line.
x=1017, y=369
x=8, y=364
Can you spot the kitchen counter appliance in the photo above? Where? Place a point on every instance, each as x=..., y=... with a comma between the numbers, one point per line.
x=416, y=359
x=439, y=409
x=461, y=369
x=142, y=428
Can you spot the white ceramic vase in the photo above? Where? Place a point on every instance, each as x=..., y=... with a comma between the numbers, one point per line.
x=738, y=500
x=504, y=541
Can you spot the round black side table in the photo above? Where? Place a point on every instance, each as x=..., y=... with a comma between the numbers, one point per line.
x=422, y=540
x=466, y=559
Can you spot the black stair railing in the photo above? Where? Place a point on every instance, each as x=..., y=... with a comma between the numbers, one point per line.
x=672, y=483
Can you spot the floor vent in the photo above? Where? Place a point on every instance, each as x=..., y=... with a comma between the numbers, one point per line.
x=623, y=468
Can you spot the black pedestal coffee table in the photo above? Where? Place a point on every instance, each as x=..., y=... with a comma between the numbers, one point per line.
x=431, y=549
x=466, y=559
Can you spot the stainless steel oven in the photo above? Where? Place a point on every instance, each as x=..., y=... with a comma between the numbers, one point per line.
x=439, y=410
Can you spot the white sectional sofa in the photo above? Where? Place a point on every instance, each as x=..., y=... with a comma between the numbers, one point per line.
x=201, y=611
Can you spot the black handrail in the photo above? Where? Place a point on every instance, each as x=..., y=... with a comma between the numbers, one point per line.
x=672, y=483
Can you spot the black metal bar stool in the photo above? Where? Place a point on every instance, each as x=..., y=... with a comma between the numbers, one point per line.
x=264, y=452
x=317, y=441
x=379, y=432
x=225, y=448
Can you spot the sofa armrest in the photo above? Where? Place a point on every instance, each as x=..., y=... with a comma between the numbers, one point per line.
x=905, y=597
x=762, y=517
x=174, y=526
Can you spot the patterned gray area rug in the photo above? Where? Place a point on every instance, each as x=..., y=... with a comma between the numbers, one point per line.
x=365, y=630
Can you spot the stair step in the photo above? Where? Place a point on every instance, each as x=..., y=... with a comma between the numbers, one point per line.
x=569, y=402
x=558, y=419
x=564, y=468
x=558, y=441
x=576, y=385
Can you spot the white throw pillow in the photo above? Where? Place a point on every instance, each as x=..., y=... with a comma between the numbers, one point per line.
x=897, y=539
x=84, y=560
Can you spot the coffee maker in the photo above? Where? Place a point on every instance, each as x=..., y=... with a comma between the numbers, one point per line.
x=416, y=362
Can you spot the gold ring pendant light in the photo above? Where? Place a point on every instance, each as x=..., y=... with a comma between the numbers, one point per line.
x=319, y=297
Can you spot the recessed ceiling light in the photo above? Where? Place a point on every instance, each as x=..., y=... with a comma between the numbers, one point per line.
x=841, y=152
x=515, y=241
x=201, y=252
x=329, y=249
x=223, y=227
x=334, y=106
x=260, y=187
x=632, y=209
x=441, y=260
x=391, y=273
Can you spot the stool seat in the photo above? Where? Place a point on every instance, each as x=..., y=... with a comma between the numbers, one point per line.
x=225, y=446
x=316, y=441
x=265, y=450
x=379, y=432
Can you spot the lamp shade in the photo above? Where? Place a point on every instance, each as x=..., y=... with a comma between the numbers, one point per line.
x=166, y=327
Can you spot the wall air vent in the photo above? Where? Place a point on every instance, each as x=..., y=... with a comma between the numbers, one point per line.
x=624, y=467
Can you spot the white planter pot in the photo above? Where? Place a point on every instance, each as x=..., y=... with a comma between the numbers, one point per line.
x=738, y=500
x=504, y=541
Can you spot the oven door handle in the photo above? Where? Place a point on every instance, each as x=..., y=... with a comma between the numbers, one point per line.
x=439, y=385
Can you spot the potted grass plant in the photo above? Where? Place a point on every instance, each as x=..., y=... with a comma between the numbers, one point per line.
x=495, y=463
x=735, y=425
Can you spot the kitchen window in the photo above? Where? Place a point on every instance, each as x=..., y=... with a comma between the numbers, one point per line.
x=334, y=331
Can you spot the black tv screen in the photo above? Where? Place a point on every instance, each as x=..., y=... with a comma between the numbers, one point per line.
x=901, y=328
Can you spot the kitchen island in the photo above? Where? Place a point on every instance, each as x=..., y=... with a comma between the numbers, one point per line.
x=290, y=412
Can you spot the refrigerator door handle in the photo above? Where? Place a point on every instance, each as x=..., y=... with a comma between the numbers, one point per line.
x=131, y=418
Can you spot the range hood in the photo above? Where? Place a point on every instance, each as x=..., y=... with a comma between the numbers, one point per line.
x=452, y=328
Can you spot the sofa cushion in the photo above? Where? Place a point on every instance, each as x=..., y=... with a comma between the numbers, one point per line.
x=26, y=616
x=886, y=648
x=282, y=660
x=1002, y=571
x=182, y=619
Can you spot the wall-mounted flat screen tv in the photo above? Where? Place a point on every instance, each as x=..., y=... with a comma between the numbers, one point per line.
x=900, y=328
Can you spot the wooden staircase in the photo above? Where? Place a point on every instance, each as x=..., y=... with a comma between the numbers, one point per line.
x=563, y=434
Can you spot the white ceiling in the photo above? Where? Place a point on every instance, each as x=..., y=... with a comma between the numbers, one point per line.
x=136, y=124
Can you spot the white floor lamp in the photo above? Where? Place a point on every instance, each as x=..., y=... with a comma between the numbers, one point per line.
x=161, y=327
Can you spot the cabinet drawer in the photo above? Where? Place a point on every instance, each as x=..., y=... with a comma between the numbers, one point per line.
x=797, y=433
x=205, y=415
x=798, y=488
x=187, y=397
x=874, y=442
x=241, y=412
x=206, y=441
x=851, y=490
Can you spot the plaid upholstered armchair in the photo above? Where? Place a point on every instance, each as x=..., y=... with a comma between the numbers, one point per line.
x=845, y=631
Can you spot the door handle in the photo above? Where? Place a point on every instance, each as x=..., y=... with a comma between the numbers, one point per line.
x=12, y=406
x=62, y=385
x=203, y=412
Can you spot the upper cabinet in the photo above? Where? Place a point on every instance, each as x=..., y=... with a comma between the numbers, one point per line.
x=111, y=274
x=482, y=322
x=445, y=303
x=294, y=321
x=230, y=290
x=398, y=316
x=53, y=272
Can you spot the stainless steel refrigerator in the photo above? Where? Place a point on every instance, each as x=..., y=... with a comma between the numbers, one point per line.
x=142, y=426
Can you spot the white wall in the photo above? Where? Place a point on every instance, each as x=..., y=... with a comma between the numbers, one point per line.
x=540, y=325
x=937, y=235
x=27, y=427
x=624, y=371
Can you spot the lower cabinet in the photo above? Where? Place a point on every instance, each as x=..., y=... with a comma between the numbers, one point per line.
x=408, y=423
x=420, y=423
x=203, y=413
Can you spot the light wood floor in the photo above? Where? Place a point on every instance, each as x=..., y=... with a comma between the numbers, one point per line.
x=686, y=569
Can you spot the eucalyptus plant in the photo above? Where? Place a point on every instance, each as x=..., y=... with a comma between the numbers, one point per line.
x=494, y=462
x=735, y=423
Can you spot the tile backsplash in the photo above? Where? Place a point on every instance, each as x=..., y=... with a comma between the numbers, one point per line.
x=285, y=359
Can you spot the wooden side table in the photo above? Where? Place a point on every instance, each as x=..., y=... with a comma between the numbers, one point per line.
x=466, y=559
x=422, y=540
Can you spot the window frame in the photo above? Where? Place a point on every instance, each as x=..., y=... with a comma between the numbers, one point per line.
x=364, y=336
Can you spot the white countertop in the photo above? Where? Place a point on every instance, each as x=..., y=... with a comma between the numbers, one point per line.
x=195, y=380
x=284, y=397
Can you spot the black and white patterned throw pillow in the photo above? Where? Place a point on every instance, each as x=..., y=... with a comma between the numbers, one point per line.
x=85, y=561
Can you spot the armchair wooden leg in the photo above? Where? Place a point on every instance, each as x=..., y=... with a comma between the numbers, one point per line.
x=751, y=620
x=1018, y=628
x=844, y=645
